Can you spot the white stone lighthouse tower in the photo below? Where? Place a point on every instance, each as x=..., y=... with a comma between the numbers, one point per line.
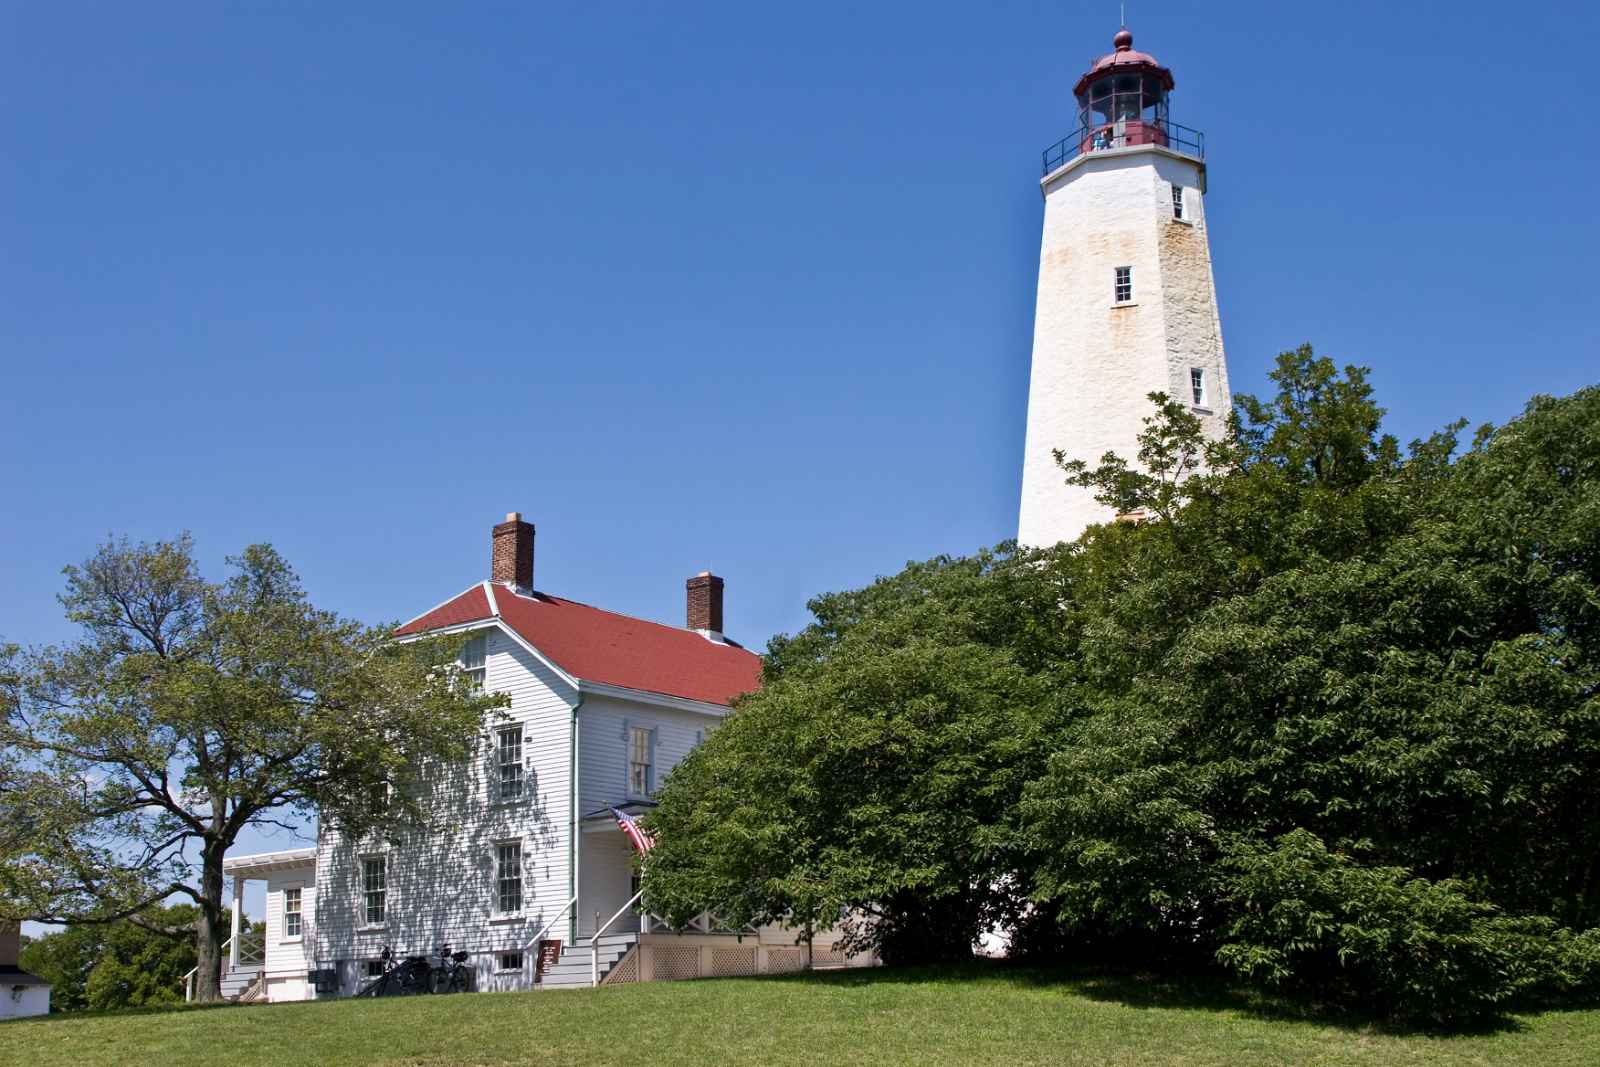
x=1126, y=303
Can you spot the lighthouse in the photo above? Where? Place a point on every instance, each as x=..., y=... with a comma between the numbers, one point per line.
x=1126, y=304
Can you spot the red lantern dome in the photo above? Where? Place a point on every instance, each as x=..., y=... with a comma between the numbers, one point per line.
x=1122, y=99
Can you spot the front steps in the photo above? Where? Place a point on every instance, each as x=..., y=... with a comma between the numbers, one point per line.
x=236, y=980
x=575, y=972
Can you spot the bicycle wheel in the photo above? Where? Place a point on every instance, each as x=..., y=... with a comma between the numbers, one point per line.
x=458, y=980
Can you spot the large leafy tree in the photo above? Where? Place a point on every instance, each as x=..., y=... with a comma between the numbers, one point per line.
x=1329, y=716
x=1346, y=734
x=876, y=772
x=190, y=710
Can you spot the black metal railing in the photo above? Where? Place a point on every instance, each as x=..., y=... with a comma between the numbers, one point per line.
x=1128, y=134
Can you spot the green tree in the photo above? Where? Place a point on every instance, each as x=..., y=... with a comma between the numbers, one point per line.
x=64, y=958
x=190, y=710
x=1341, y=699
x=139, y=967
x=877, y=770
x=1330, y=718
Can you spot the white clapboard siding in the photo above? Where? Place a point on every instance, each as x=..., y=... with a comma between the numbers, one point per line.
x=604, y=724
x=607, y=865
x=441, y=886
x=284, y=955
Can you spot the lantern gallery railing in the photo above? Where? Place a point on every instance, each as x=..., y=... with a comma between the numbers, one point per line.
x=1128, y=133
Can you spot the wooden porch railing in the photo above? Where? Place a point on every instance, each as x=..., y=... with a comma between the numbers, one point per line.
x=252, y=953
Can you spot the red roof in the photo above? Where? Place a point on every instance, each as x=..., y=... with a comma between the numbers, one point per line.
x=601, y=646
x=1124, y=60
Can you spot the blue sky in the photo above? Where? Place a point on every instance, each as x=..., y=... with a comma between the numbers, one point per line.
x=694, y=286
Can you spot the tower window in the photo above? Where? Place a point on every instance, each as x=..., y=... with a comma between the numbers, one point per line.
x=1197, y=385
x=1177, y=201
x=1124, y=287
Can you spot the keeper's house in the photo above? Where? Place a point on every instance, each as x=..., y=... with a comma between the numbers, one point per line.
x=602, y=706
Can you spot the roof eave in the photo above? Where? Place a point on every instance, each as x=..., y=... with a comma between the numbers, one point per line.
x=645, y=696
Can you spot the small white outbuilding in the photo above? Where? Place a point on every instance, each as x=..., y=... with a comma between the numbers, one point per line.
x=21, y=993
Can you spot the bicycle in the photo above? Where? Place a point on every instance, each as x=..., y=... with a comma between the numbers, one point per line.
x=452, y=975
x=409, y=977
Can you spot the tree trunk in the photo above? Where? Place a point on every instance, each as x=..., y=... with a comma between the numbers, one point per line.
x=209, y=926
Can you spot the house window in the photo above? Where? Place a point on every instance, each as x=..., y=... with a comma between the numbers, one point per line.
x=474, y=656
x=508, y=880
x=510, y=763
x=373, y=888
x=1177, y=201
x=1124, y=288
x=510, y=961
x=375, y=968
x=291, y=912
x=1197, y=385
x=641, y=776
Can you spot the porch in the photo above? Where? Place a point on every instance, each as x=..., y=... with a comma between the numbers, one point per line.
x=269, y=959
x=611, y=940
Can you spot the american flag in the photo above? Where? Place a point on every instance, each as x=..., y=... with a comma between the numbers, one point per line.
x=636, y=833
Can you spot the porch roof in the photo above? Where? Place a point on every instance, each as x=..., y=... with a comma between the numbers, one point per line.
x=267, y=862
x=602, y=819
x=16, y=976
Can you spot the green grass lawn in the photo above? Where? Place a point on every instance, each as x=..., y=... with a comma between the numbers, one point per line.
x=970, y=1016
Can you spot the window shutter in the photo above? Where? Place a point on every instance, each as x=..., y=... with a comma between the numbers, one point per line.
x=627, y=758
x=650, y=783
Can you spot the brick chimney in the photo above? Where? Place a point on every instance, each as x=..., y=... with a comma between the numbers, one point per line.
x=705, y=603
x=511, y=562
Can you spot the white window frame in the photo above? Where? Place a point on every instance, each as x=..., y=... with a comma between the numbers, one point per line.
x=475, y=660
x=297, y=913
x=502, y=879
x=375, y=968
x=510, y=781
x=1180, y=209
x=1122, y=285
x=641, y=774
x=369, y=893
x=501, y=965
x=1199, y=387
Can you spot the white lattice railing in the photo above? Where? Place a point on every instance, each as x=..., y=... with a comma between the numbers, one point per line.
x=704, y=923
x=252, y=947
x=252, y=953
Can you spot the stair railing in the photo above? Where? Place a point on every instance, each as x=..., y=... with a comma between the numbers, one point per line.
x=594, y=942
x=188, y=977
x=533, y=942
x=252, y=952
